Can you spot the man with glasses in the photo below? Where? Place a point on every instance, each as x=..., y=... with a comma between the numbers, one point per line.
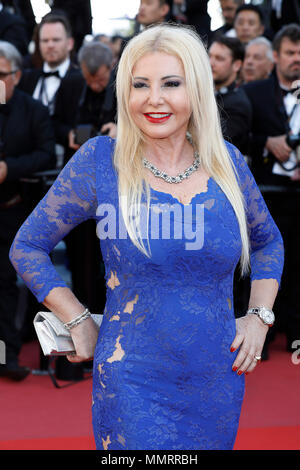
x=26, y=147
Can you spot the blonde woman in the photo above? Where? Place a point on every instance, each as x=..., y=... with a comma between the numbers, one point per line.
x=177, y=209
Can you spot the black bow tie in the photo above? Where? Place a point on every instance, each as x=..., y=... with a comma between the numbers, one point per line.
x=291, y=91
x=51, y=74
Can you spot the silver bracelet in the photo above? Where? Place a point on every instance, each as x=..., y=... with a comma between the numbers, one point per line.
x=69, y=325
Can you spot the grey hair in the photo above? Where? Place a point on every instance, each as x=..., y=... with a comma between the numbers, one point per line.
x=94, y=55
x=11, y=54
x=264, y=42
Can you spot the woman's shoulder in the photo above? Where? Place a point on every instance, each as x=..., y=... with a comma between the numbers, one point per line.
x=103, y=141
x=240, y=165
x=103, y=150
x=99, y=146
x=232, y=150
x=93, y=157
x=96, y=152
x=238, y=159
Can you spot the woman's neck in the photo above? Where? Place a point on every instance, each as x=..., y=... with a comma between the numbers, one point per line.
x=169, y=154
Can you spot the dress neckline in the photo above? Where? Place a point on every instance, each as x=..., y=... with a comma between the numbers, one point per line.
x=193, y=198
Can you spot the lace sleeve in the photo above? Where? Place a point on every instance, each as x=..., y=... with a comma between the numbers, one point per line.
x=266, y=244
x=70, y=201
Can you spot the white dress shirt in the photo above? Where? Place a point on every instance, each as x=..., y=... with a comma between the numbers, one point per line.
x=277, y=5
x=292, y=107
x=46, y=88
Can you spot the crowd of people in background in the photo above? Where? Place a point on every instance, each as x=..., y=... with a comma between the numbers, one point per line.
x=62, y=93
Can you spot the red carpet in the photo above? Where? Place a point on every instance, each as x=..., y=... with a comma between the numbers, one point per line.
x=270, y=417
x=37, y=416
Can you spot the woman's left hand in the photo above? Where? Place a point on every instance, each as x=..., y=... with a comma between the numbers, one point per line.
x=250, y=337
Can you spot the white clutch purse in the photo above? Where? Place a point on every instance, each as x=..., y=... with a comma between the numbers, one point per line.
x=53, y=337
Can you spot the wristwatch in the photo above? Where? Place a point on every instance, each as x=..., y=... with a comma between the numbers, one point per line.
x=266, y=315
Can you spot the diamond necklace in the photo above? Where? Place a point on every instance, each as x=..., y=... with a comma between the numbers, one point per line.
x=173, y=179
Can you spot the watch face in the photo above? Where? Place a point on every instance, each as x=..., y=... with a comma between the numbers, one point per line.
x=267, y=317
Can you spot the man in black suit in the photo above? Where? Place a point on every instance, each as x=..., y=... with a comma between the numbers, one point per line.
x=24, y=9
x=276, y=114
x=275, y=110
x=226, y=58
x=13, y=29
x=58, y=75
x=27, y=146
x=97, y=107
x=284, y=12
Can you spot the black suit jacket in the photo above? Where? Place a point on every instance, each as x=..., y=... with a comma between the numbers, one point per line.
x=269, y=120
x=28, y=143
x=95, y=109
x=24, y=9
x=220, y=32
x=236, y=116
x=198, y=17
x=65, y=109
x=290, y=13
x=13, y=29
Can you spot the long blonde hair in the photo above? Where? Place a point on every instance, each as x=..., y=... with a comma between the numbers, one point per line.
x=204, y=127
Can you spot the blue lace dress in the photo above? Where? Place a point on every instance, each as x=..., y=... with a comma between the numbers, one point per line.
x=163, y=374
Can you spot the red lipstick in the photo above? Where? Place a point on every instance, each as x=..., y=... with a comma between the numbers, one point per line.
x=157, y=118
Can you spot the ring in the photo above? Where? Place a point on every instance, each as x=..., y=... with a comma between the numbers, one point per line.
x=257, y=358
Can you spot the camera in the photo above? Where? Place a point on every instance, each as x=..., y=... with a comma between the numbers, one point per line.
x=293, y=140
x=83, y=133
